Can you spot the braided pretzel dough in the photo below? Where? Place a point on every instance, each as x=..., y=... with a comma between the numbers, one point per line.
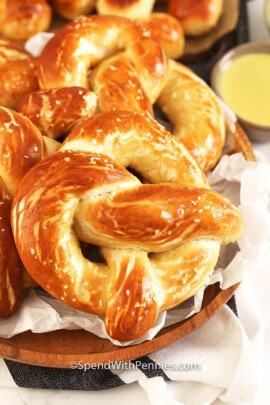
x=56, y=111
x=71, y=9
x=21, y=147
x=17, y=72
x=195, y=112
x=116, y=80
x=117, y=85
x=23, y=19
x=167, y=30
x=86, y=41
x=159, y=241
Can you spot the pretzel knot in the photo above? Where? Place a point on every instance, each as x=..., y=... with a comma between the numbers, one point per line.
x=158, y=242
x=88, y=40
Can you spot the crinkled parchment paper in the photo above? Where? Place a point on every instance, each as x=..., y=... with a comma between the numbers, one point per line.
x=247, y=185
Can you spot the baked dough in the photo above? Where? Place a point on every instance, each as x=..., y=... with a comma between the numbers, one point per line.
x=128, y=8
x=197, y=17
x=55, y=111
x=17, y=71
x=167, y=30
x=11, y=282
x=159, y=242
x=83, y=43
x=196, y=114
x=21, y=147
x=19, y=20
x=71, y=9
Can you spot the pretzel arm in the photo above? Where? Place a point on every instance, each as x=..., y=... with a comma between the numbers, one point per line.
x=169, y=215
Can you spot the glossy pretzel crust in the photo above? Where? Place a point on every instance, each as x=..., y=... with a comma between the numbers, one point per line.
x=159, y=242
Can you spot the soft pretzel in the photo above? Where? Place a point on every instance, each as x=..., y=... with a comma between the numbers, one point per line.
x=71, y=9
x=159, y=242
x=117, y=85
x=23, y=19
x=117, y=82
x=55, y=111
x=137, y=143
x=128, y=8
x=197, y=116
x=167, y=30
x=196, y=16
x=86, y=41
x=21, y=147
x=17, y=71
x=11, y=283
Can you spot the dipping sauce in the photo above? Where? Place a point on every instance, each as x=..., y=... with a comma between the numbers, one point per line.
x=245, y=87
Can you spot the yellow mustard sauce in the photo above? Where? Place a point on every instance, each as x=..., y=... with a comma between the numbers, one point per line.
x=245, y=87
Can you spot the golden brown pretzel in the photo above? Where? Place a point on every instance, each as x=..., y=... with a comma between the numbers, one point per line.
x=11, y=283
x=137, y=142
x=159, y=241
x=71, y=9
x=196, y=114
x=167, y=30
x=56, y=111
x=117, y=85
x=86, y=41
x=21, y=147
x=116, y=80
x=196, y=16
x=128, y=8
x=17, y=71
x=23, y=19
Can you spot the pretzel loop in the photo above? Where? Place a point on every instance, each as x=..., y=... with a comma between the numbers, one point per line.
x=159, y=242
x=85, y=42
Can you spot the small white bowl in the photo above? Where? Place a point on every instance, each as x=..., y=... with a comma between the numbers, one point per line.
x=255, y=132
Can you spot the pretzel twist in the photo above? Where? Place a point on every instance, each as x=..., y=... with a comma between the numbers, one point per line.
x=21, y=147
x=55, y=111
x=159, y=242
x=165, y=29
x=196, y=17
x=195, y=112
x=17, y=71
